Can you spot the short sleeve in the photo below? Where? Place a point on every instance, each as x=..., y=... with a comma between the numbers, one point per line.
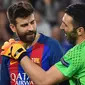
x=71, y=62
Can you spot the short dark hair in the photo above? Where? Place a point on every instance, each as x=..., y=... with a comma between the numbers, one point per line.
x=77, y=12
x=20, y=9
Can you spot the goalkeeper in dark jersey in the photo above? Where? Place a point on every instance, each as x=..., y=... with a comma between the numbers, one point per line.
x=72, y=65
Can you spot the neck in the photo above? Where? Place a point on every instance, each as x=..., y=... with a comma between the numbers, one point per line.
x=36, y=39
x=80, y=40
x=27, y=45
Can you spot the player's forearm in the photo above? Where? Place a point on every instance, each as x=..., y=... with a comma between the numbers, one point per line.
x=37, y=74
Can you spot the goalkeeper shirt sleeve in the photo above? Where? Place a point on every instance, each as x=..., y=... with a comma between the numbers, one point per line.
x=71, y=63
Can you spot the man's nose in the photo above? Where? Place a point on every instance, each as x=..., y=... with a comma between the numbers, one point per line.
x=61, y=26
x=30, y=27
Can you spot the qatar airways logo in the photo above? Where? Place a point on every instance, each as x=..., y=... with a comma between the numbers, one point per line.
x=20, y=79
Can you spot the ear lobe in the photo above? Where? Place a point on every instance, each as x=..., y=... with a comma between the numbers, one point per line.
x=13, y=28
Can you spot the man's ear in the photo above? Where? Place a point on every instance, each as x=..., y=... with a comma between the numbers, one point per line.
x=80, y=31
x=13, y=28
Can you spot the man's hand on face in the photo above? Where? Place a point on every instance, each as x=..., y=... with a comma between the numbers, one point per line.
x=13, y=49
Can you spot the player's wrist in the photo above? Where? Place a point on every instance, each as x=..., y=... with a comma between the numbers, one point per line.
x=22, y=56
x=18, y=52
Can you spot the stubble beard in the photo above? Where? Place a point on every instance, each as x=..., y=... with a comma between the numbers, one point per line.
x=72, y=37
x=27, y=37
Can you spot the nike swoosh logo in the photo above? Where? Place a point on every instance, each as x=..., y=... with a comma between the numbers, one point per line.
x=11, y=63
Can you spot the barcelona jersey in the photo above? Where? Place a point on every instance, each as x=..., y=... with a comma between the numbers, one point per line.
x=45, y=53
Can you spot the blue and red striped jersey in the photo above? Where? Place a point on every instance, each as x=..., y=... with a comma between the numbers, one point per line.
x=45, y=53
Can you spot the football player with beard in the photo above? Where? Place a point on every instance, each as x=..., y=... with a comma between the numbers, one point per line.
x=41, y=49
x=72, y=64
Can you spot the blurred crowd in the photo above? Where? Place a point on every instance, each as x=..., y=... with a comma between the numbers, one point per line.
x=48, y=14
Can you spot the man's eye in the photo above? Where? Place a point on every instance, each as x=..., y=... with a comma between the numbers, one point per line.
x=32, y=22
x=24, y=25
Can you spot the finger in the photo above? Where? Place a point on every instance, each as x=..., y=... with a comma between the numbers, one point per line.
x=12, y=41
x=20, y=42
x=2, y=53
x=5, y=45
x=6, y=42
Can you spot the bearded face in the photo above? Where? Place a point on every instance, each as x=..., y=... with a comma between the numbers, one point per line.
x=69, y=28
x=27, y=37
x=26, y=29
x=72, y=37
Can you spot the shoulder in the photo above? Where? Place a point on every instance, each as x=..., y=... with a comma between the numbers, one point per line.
x=76, y=54
x=52, y=44
x=77, y=49
x=49, y=41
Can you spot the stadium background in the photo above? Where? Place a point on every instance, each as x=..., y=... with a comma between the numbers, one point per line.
x=48, y=14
